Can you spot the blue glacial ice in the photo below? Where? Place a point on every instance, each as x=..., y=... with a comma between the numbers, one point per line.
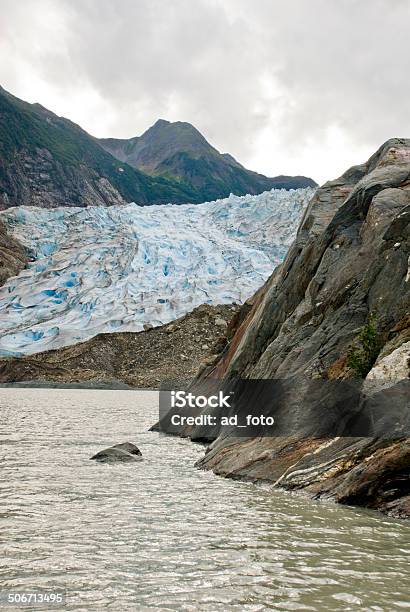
x=97, y=270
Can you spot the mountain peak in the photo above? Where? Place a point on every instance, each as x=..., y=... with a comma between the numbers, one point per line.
x=179, y=151
x=160, y=123
x=162, y=140
x=186, y=133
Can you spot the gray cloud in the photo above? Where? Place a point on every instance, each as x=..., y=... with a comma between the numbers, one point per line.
x=286, y=86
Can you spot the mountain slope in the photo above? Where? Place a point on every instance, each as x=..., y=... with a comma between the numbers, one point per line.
x=48, y=161
x=178, y=151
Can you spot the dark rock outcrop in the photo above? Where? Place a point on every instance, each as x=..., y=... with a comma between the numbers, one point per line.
x=13, y=256
x=351, y=258
x=126, y=452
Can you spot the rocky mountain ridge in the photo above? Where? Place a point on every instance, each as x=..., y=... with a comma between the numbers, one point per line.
x=178, y=151
x=49, y=161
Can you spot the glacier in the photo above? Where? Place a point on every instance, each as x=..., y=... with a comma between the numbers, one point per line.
x=123, y=268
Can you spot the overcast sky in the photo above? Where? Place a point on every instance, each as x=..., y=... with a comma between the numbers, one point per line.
x=286, y=86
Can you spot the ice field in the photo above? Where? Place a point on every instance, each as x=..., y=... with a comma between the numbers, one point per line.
x=98, y=270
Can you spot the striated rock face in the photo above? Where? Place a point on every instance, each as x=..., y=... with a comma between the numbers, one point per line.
x=357, y=471
x=13, y=256
x=350, y=258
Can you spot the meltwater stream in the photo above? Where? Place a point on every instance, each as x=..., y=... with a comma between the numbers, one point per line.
x=161, y=535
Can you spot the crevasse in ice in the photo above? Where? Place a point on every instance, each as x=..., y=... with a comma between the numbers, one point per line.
x=98, y=270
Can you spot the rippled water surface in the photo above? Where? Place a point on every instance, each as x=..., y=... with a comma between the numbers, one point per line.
x=161, y=535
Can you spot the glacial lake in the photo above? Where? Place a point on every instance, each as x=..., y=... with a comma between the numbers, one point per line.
x=162, y=535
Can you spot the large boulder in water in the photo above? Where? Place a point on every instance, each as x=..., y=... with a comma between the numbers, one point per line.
x=122, y=453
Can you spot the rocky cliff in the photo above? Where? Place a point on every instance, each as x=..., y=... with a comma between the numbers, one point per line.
x=13, y=256
x=350, y=258
x=343, y=287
